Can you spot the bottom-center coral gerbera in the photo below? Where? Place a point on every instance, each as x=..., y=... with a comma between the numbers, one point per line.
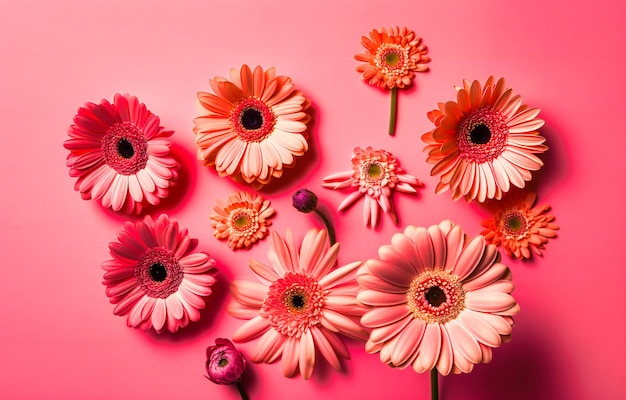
x=300, y=305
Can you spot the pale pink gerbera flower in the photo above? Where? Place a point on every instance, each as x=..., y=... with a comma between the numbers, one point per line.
x=300, y=305
x=436, y=300
x=484, y=142
x=155, y=278
x=242, y=219
x=120, y=154
x=255, y=126
x=374, y=175
x=519, y=227
x=392, y=57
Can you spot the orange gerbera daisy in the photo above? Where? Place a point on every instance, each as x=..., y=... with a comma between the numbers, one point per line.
x=519, y=227
x=484, y=142
x=392, y=58
x=242, y=219
x=255, y=126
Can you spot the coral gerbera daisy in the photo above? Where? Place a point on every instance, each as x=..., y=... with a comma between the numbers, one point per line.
x=255, y=126
x=484, y=142
x=242, y=219
x=519, y=227
x=392, y=58
x=120, y=154
x=155, y=278
x=436, y=300
x=374, y=175
x=300, y=305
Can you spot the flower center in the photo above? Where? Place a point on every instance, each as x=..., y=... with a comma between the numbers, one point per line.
x=294, y=303
x=244, y=221
x=392, y=59
x=125, y=148
x=374, y=171
x=222, y=362
x=252, y=120
x=515, y=224
x=436, y=297
x=482, y=135
x=158, y=272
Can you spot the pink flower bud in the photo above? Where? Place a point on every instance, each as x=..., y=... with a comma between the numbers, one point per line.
x=225, y=364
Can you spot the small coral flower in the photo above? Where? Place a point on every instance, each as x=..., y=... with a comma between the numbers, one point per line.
x=300, y=305
x=255, y=126
x=518, y=227
x=155, y=278
x=374, y=175
x=436, y=300
x=392, y=58
x=120, y=154
x=484, y=142
x=242, y=219
x=225, y=364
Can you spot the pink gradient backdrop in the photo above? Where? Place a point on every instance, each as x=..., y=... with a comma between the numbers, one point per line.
x=58, y=336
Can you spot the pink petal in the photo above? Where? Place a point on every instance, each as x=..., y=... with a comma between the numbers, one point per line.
x=312, y=250
x=463, y=344
x=407, y=342
x=429, y=349
x=479, y=328
x=446, y=356
x=307, y=354
x=251, y=329
x=338, y=275
x=469, y=258
x=382, y=316
x=263, y=271
x=454, y=242
x=159, y=314
x=339, y=323
x=377, y=299
x=249, y=293
x=290, y=357
x=385, y=333
x=486, y=278
x=489, y=301
x=369, y=281
x=174, y=307
x=269, y=347
x=438, y=241
x=326, y=349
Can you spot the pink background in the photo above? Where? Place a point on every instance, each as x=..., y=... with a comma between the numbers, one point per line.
x=58, y=336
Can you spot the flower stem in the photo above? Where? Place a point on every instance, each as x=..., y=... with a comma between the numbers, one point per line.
x=241, y=390
x=329, y=227
x=434, y=384
x=392, y=116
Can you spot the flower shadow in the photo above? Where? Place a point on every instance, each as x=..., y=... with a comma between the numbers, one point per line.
x=520, y=370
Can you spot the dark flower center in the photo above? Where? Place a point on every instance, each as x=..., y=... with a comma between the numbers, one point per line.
x=480, y=134
x=158, y=272
x=435, y=296
x=515, y=224
x=374, y=171
x=297, y=300
x=125, y=148
x=222, y=362
x=251, y=119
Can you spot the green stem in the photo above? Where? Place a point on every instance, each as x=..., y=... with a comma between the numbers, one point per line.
x=241, y=390
x=392, y=116
x=434, y=385
x=329, y=227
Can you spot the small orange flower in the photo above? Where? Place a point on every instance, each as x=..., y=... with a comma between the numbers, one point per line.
x=519, y=227
x=393, y=57
x=242, y=219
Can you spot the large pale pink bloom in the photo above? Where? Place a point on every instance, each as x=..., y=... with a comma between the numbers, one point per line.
x=156, y=278
x=437, y=300
x=255, y=126
x=300, y=305
x=120, y=154
x=484, y=142
x=375, y=174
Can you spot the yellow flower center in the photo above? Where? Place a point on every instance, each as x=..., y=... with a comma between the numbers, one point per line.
x=515, y=224
x=374, y=171
x=392, y=59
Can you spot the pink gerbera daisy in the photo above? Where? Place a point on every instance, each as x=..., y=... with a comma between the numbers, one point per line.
x=155, y=278
x=242, y=219
x=120, y=154
x=374, y=175
x=300, y=305
x=436, y=300
x=484, y=142
x=255, y=126
x=520, y=227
